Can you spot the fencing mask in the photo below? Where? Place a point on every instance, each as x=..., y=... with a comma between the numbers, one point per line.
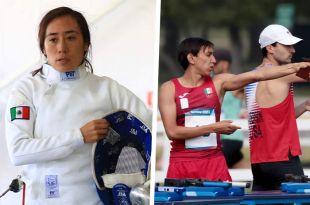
x=121, y=159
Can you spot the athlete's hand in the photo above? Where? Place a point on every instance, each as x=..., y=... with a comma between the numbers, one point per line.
x=225, y=127
x=307, y=105
x=95, y=130
x=301, y=65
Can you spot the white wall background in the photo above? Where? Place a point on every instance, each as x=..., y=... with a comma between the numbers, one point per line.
x=123, y=37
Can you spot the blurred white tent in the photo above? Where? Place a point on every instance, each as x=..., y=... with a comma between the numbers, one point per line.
x=123, y=34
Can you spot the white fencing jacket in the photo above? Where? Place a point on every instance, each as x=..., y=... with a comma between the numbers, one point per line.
x=43, y=121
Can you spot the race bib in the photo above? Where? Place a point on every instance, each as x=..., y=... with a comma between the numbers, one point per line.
x=199, y=117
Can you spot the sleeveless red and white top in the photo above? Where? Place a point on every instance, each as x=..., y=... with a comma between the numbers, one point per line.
x=188, y=99
x=273, y=132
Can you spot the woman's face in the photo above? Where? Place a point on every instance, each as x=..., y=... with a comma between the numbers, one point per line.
x=63, y=44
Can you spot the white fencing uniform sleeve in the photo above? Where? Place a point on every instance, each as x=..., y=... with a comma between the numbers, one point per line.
x=23, y=146
x=122, y=98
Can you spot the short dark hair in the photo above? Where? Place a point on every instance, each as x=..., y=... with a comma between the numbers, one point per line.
x=264, y=50
x=59, y=12
x=193, y=46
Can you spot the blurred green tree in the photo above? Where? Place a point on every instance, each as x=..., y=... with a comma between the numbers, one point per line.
x=184, y=18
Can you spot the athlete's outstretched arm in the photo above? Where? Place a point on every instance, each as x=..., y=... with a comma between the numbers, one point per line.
x=234, y=82
x=167, y=108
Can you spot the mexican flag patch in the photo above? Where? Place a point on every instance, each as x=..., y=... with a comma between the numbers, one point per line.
x=208, y=91
x=20, y=112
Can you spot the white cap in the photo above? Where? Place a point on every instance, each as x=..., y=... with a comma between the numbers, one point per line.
x=276, y=33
